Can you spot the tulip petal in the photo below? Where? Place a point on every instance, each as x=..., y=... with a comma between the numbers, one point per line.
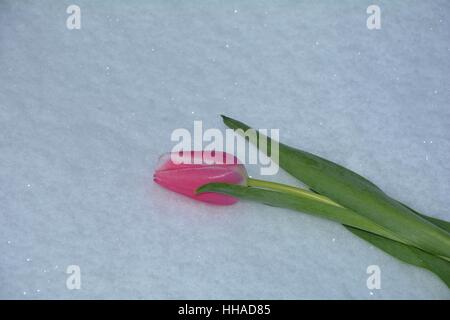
x=186, y=177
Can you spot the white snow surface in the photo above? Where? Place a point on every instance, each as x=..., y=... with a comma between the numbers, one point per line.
x=84, y=115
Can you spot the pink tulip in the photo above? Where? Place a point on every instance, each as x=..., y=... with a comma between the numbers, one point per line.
x=199, y=168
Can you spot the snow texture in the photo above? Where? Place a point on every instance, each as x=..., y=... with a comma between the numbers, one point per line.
x=84, y=115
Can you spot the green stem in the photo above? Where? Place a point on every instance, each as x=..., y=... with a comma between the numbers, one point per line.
x=284, y=196
x=290, y=190
x=362, y=222
x=284, y=188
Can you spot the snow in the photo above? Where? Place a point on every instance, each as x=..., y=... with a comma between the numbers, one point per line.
x=84, y=115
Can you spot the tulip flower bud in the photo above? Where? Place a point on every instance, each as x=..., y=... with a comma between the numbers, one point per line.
x=199, y=168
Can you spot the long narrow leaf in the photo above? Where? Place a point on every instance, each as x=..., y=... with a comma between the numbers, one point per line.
x=358, y=194
x=355, y=223
x=440, y=223
x=299, y=203
x=407, y=254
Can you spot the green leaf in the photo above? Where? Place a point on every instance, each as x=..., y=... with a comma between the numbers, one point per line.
x=407, y=254
x=358, y=194
x=299, y=203
x=355, y=223
x=440, y=223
